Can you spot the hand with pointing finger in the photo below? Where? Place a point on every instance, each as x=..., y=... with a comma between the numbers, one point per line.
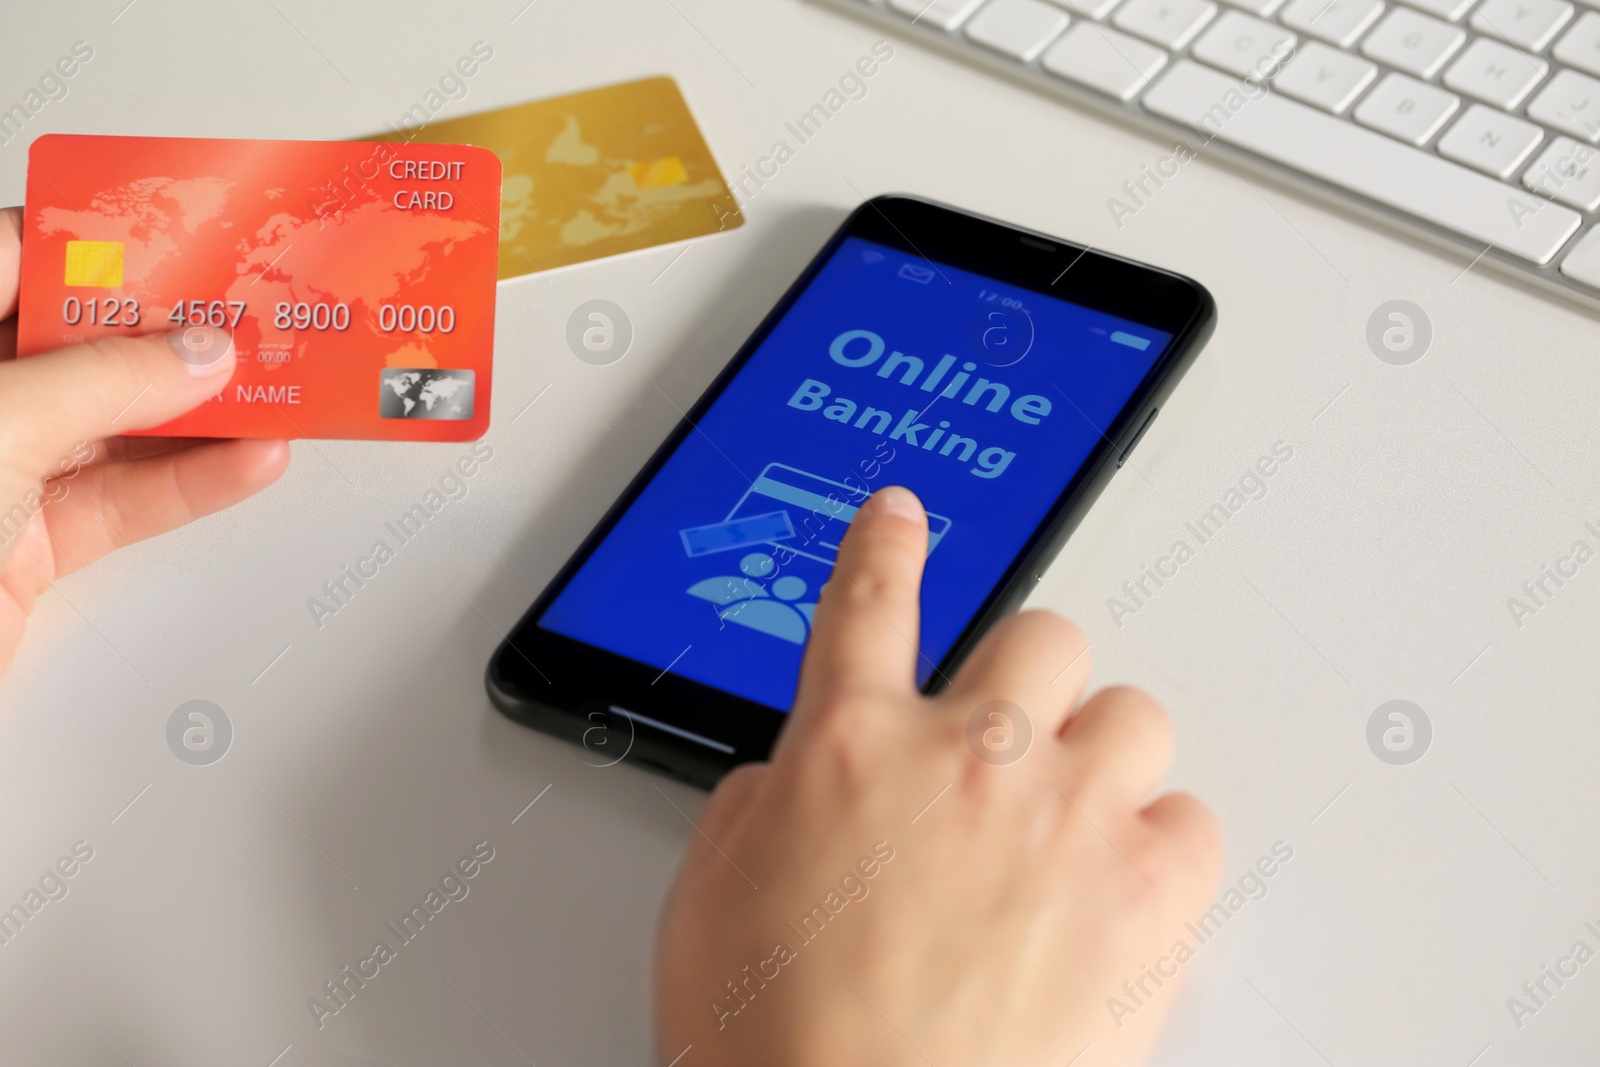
x=881, y=894
x=71, y=489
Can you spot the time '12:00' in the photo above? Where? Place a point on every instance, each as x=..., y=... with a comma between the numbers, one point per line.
x=392, y=318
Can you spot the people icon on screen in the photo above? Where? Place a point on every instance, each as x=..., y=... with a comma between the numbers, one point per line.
x=749, y=602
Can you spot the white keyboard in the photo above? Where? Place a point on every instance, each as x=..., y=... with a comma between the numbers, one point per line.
x=1474, y=123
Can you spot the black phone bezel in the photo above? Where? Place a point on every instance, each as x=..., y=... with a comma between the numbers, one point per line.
x=563, y=686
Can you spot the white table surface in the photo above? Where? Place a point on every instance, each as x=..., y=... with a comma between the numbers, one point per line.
x=367, y=758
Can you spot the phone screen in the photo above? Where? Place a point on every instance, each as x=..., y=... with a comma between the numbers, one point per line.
x=982, y=398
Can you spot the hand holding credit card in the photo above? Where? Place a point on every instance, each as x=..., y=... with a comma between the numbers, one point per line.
x=357, y=279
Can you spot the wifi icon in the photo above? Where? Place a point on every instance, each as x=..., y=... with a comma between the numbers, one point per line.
x=871, y=256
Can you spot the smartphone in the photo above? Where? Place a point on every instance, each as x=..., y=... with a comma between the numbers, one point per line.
x=1000, y=374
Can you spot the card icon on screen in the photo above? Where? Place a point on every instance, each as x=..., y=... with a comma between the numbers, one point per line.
x=791, y=522
x=425, y=393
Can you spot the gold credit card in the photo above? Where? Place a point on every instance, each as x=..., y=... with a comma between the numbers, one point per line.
x=594, y=174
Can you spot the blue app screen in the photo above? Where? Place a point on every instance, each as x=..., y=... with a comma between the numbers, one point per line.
x=982, y=398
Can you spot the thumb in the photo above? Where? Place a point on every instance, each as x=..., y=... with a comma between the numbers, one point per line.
x=104, y=387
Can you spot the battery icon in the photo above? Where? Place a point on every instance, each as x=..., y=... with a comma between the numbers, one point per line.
x=1131, y=340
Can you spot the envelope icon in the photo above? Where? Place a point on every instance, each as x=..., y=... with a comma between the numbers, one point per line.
x=913, y=273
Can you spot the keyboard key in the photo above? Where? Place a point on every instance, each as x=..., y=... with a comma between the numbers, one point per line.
x=945, y=14
x=1529, y=24
x=1568, y=172
x=1243, y=45
x=1583, y=262
x=1451, y=10
x=1257, y=7
x=1339, y=22
x=1325, y=77
x=1581, y=46
x=1413, y=42
x=1104, y=60
x=1360, y=161
x=1168, y=23
x=1089, y=9
x=1495, y=73
x=1017, y=28
x=1490, y=141
x=1406, y=108
x=1571, y=104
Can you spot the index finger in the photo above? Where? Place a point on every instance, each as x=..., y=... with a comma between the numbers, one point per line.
x=10, y=258
x=866, y=621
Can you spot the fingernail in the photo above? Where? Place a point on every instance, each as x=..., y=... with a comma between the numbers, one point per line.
x=203, y=348
x=898, y=500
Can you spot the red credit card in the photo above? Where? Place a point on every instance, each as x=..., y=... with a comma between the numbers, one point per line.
x=357, y=279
